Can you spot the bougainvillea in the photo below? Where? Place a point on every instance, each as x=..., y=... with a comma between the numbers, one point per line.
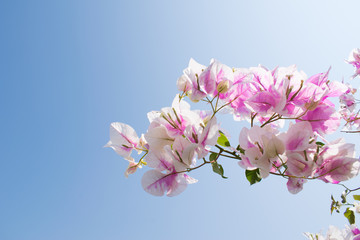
x=180, y=139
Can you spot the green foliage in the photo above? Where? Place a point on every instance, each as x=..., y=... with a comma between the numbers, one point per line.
x=217, y=168
x=357, y=197
x=350, y=216
x=253, y=176
x=213, y=157
x=222, y=140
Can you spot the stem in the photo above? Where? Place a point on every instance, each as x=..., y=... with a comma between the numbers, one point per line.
x=348, y=190
x=223, y=155
x=226, y=151
x=273, y=118
x=210, y=101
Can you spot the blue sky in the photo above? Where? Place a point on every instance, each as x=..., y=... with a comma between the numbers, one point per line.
x=70, y=68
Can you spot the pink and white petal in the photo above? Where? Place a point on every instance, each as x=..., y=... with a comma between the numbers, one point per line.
x=157, y=183
x=324, y=119
x=298, y=136
x=183, y=83
x=295, y=185
x=133, y=166
x=339, y=170
x=190, y=180
x=196, y=95
x=153, y=115
x=178, y=105
x=159, y=160
x=179, y=185
x=298, y=165
x=337, y=89
x=157, y=138
x=210, y=133
x=123, y=139
x=120, y=131
x=188, y=155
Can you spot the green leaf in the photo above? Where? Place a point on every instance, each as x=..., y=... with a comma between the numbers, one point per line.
x=213, y=157
x=350, y=216
x=217, y=168
x=253, y=176
x=222, y=140
x=357, y=197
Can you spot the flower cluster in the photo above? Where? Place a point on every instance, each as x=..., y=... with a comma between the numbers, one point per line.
x=354, y=59
x=349, y=233
x=180, y=140
x=349, y=111
x=178, y=137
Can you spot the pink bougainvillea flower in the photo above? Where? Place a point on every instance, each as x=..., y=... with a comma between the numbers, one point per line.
x=337, y=162
x=354, y=59
x=324, y=119
x=261, y=147
x=239, y=93
x=265, y=98
x=175, y=118
x=348, y=101
x=189, y=81
x=333, y=233
x=295, y=185
x=298, y=136
x=216, y=77
x=352, y=120
x=123, y=139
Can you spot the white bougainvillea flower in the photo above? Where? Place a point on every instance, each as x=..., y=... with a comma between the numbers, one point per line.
x=123, y=139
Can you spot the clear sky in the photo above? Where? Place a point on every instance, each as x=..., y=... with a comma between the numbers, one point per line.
x=69, y=68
